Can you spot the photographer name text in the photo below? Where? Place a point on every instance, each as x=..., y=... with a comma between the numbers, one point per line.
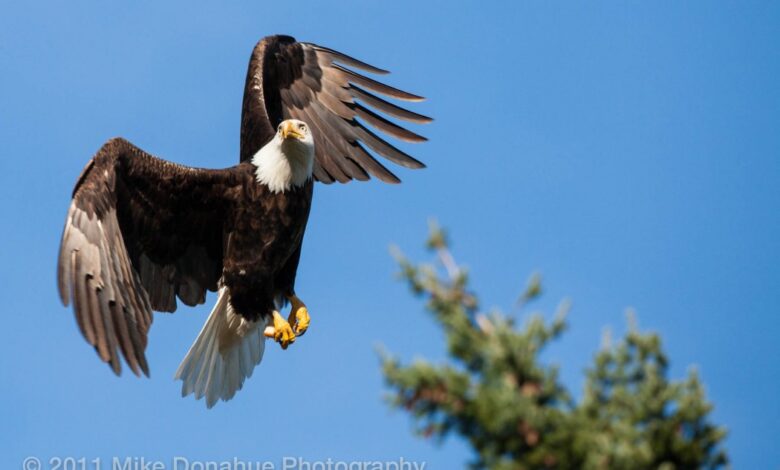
x=184, y=463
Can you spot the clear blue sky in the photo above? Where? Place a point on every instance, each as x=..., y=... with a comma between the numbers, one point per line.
x=629, y=151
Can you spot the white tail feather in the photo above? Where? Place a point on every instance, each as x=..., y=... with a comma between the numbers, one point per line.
x=223, y=355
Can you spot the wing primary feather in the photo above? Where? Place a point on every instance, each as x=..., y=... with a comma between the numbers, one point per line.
x=84, y=320
x=385, y=149
x=137, y=344
x=123, y=335
x=91, y=314
x=321, y=175
x=386, y=126
x=378, y=87
x=355, y=170
x=367, y=161
x=111, y=341
x=95, y=312
x=126, y=286
x=387, y=107
x=139, y=298
x=332, y=55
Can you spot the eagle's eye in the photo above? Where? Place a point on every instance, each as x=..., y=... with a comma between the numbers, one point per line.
x=303, y=127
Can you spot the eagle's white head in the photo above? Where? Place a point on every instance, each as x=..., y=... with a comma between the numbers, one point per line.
x=287, y=160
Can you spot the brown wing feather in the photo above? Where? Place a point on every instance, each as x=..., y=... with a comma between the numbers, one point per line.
x=287, y=79
x=139, y=233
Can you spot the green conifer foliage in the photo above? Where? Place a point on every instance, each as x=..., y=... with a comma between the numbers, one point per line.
x=512, y=408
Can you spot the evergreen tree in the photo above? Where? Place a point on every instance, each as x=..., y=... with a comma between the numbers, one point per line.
x=513, y=409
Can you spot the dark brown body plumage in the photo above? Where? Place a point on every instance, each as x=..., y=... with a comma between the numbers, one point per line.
x=142, y=232
x=264, y=246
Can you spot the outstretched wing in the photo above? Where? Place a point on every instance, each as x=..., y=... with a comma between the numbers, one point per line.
x=140, y=232
x=289, y=79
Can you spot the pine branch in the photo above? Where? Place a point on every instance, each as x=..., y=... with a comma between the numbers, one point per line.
x=512, y=408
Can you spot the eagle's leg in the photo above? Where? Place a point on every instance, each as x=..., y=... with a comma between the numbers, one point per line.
x=299, y=315
x=281, y=331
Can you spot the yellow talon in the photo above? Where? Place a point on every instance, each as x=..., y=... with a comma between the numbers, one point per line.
x=281, y=331
x=299, y=315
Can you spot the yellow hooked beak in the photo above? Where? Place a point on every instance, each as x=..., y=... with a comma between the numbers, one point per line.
x=289, y=130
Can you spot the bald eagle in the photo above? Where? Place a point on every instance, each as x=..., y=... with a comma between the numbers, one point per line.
x=142, y=232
